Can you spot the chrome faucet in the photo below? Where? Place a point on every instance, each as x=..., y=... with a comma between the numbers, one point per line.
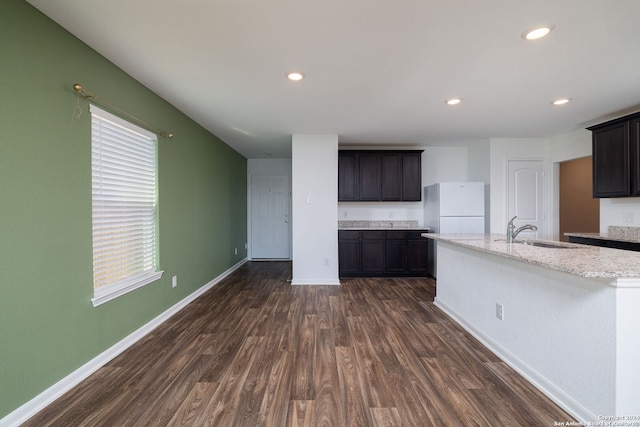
x=512, y=233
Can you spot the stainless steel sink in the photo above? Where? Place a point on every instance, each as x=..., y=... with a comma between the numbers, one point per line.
x=553, y=245
x=546, y=244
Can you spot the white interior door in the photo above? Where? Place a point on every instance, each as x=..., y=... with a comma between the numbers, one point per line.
x=525, y=180
x=270, y=217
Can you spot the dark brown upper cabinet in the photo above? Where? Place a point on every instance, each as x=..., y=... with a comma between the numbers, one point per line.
x=369, y=177
x=616, y=161
x=348, y=176
x=391, y=176
x=379, y=175
x=412, y=176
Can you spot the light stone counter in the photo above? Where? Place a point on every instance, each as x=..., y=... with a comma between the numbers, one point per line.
x=581, y=260
x=380, y=225
x=617, y=233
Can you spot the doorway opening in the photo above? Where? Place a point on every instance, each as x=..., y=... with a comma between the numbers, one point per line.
x=579, y=211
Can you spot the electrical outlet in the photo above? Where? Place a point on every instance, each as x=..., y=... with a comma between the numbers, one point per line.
x=174, y=281
x=499, y=311
x=326, y=262
x=235, y=251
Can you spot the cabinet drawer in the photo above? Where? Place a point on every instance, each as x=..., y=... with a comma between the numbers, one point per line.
x=396, y=235
x=373, y=235
x=348, y=234
x=416, y=235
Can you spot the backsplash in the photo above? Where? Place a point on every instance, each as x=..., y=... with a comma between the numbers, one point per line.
x=620, y=232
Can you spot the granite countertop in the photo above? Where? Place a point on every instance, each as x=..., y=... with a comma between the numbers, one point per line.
x=617, y=233
x=581, y=260
x=380, y=225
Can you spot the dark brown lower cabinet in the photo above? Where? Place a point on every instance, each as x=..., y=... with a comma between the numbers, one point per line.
x=396, y=253
x=373, y=252
x=614, y=244
x=350, y=252
x=417, y=253
x=382, y=253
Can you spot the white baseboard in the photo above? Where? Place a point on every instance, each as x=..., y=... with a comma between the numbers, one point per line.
x=295, y=282
x=35, y=405
x=542, y=383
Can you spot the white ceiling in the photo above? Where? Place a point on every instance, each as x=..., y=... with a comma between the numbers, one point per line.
x=377, y=71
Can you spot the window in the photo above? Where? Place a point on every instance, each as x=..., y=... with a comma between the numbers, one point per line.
x=124, y=206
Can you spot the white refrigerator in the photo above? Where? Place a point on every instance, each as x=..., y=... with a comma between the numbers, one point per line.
x=453, y=208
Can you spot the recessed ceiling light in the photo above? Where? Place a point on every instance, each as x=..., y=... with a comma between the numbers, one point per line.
x=561, y=101
x=453, y=101
x=538, y=32
x=295, y=76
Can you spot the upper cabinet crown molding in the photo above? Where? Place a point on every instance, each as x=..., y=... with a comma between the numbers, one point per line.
x=379, y=175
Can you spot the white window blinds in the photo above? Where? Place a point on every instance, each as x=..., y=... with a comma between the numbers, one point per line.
x=124, y=208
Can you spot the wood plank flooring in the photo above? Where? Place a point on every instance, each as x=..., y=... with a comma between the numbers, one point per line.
x=256, y=351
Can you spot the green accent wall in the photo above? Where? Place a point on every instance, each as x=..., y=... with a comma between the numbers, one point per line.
x=48, y=327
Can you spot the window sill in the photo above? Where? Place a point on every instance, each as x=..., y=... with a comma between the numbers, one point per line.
x=113, y=291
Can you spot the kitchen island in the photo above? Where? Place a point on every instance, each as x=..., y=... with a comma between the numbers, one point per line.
x=567, y=317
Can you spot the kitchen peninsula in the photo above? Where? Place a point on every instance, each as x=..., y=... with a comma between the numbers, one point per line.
x=567, y=317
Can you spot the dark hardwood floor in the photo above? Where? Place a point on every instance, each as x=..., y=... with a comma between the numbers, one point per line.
x=256, y=351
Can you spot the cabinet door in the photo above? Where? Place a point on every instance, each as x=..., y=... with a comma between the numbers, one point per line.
x=349, y=253
x=396, y=253
x=417, y=256
x=634, y=147
x=369, y=176
x=412, y=177
x=611, y=176
x=391, y=176
x=373, y=252
x=347, y=176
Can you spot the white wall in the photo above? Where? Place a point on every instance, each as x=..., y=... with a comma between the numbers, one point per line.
x=478, y=161
x=315, y=209
x=623, y=211
x=570, y=145
x=269, y=167
x=444, y=164
x=263, y=167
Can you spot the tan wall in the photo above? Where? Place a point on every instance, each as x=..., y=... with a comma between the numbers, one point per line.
x=579, y=211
